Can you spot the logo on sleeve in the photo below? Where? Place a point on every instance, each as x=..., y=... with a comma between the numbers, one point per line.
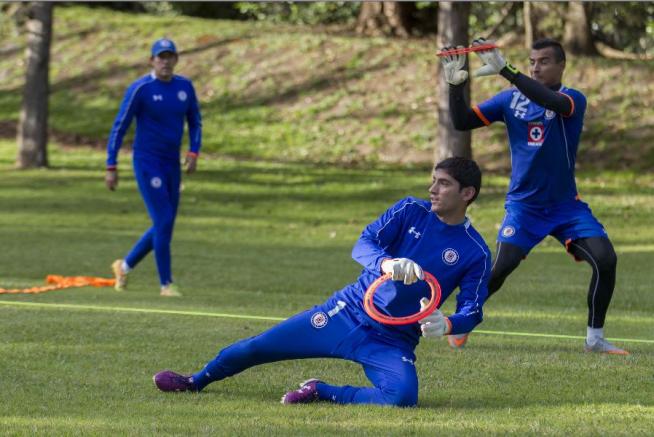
x=549, y=114
x=508, y=231
x=408, y=360
x=450, y=257
x=182, y=96
x=319, y=320
x=536, y=133
x=155, y=182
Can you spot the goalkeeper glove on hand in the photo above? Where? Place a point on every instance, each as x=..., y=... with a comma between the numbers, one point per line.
x=434, y=325
x=453, y=67
x=403, y=269
x=492, y=59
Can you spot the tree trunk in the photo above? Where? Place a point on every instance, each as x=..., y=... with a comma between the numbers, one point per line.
x=577, y=37
x=529, y=25
x=385, y=18
x=452, y=31
x=33, y=124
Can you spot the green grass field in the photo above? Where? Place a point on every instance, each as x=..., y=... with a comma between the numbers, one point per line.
x=80, y=361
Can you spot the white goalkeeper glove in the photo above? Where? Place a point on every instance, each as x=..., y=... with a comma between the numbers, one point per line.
x=492, y=59
x=403, y=269
x=434, y=325
x=453, y=67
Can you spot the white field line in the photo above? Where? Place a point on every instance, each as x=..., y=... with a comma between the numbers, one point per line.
x=266, y=318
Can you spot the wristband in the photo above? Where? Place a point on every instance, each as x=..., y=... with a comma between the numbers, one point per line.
x=509, y=72
x=449, y=326
x=193, y=154
x=111, y=168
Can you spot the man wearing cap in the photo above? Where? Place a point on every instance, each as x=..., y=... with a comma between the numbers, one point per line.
x=160, y=101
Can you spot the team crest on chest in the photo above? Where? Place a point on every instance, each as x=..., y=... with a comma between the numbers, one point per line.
x=450, y=256
x=319, y=320
x=182, y=96
x=535, y=133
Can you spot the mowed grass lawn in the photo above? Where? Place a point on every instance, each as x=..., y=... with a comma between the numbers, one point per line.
x=269, y=240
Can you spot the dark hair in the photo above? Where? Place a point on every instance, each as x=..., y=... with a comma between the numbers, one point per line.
x=465, y=171
x=543, y=43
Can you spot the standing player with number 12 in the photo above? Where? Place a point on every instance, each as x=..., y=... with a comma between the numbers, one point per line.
x=544, y=120
x=160, y=101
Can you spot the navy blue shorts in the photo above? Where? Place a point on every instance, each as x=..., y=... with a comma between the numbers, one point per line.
x=526, y=226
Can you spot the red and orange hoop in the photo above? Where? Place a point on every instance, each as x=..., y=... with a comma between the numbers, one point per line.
x=372, y=311
x=463, y=50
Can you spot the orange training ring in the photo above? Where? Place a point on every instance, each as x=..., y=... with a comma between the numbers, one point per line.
x=372, y=311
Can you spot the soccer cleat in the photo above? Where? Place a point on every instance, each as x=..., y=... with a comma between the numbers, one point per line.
x=604, y=347
x=305, y=394
x=458, y=341
x=121, y=277
x=170, y=290
x=168, y=380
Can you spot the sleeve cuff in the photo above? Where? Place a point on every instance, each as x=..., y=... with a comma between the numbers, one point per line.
x=449, y=326
x=481, y=115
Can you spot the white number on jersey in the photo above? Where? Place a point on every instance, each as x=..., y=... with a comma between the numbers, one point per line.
x=519, y=104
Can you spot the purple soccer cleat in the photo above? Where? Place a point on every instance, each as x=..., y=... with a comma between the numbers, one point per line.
x=168, y=380
x=305, y=394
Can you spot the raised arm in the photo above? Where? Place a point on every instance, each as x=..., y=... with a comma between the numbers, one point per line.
x=494, y=63
x=462, y=115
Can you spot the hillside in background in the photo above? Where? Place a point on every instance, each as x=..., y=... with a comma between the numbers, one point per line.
x=276, y=92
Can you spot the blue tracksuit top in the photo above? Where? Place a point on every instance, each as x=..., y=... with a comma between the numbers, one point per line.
x=160, y=109
x=455, y=254
x=543, y=145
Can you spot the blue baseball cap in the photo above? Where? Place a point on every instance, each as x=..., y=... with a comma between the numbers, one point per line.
x=163, y=45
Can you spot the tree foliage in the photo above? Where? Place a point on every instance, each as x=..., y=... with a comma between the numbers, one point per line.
x=300, y=13
x=627, y=26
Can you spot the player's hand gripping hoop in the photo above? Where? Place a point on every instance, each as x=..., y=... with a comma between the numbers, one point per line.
x=372, y=311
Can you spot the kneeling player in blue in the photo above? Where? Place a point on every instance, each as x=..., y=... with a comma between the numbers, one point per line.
x=411, y=236
x=544, y=120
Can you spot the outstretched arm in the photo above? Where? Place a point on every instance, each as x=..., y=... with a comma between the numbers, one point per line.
x=494, y=63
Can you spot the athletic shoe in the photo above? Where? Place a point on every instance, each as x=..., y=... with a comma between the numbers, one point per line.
x=170, y=290
x=171, y=381
x=305, y=394
x=604, y=347
x=121, y=277
x=458, y=341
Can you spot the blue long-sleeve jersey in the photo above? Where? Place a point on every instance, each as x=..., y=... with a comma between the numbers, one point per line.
x=455, y=254
x=160, y=109
x=543, y=145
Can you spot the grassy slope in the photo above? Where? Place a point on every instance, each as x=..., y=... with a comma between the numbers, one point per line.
x=86, y=371
x=286, y=93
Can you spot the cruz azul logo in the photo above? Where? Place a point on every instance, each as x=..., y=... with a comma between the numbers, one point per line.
x=155, y=182
x=508, y=231
x=319, y=320
x=182, y=95
x=450, y=256
x=536, y=134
